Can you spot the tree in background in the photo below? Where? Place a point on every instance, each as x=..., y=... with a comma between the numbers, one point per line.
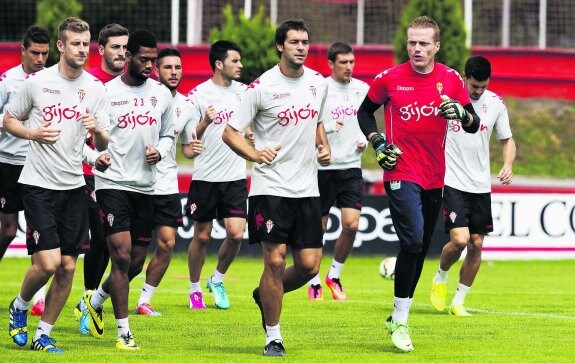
x=49, y=14
x=449, y=16
x=256, y=37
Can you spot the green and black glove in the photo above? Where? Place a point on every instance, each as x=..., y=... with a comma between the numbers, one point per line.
x=385, y=153
x=452, y=110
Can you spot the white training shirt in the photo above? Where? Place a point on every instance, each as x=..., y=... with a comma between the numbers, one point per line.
x=139, y=116
x=342, y=103
x=167, y=168
x=467, y=155
x=47, y=96
x=13, y=149
x=217, y=163
x=285, y=111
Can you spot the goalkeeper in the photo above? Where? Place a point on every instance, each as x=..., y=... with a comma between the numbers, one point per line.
x=421, y=97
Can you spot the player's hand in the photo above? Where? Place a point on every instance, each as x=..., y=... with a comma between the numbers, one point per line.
x=267, y=155
x=250, y=136
x=360, y=145
x=338, y=125
x=323, y=155
x=210, y=115
x=505, y=175
x=103, y=162
x=197, y=145
x=89, y=121
x=386, y=154
x=452, y=110
x=152, y=155
x=46, y=135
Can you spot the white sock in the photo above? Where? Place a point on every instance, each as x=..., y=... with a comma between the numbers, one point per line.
x=21, y=304
x=460, y=294
x=335, y=270
x=195, y=287
x=43, y=328
x=273, y=333
x=217, y=277
x=123, y=327
x=146, y=294
x=401, y=306
x=40, y=294
x=99, y=297
x=441, y=276
x=315, y=281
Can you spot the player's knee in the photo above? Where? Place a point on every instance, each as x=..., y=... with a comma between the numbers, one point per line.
x=165, y=247
x=9, y=232
x=350, y=228
x=475, y=246
x=459, y=243
x=275, y=264
x=201, y=239
x=235, y=239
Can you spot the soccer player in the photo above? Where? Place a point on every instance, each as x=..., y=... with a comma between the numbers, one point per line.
x=341, y=181
x=468, y=185
x=286, y=107
x=219, y=187
x=419, y=96
x=141, y=133
x=13, y=150
x=167, y=204
x=112, y=42
x=62, y=104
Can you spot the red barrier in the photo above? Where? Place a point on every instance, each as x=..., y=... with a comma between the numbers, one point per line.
x=517, y=72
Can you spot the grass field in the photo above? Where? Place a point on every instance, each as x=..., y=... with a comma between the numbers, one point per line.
x=522, y=312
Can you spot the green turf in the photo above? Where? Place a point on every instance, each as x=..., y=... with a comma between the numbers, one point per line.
x=522, y=312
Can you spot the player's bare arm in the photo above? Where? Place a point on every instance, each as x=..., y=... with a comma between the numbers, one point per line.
x=44, y=134
x=192, y=148
x=236, y=141
x=505, y=175
x=209, y=117
x=324, y=151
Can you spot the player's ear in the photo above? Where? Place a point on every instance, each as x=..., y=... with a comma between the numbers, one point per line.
x=101, y=49
x=60, y=45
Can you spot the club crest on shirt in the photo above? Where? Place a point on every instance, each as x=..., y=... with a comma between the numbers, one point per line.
x=452, y=216
x=178, y=111
x=193, y=208
x=484, y=108
x=313, y=90
x=2, y=202
x=81, y=95
x=36, y=236
x=395, y=184
x=110, y=219
x=239, y=96
x=153, y=101
x=439, y=86
x=269, y=225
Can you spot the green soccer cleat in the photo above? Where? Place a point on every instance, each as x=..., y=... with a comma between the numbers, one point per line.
x=126, y=342
x=438, y=295
x=400, y=335
x=458, y=310
x=220, y=296
x=96, y=316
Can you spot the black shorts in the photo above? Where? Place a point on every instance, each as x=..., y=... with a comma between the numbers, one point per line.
x=124, y=210
x=90, y=192
x=168, y=210
x=414, y=213
x=463, y=209
x=56, y=219
x=293, y=221
x=344, y=187
x=209, y=200
x=10, y=189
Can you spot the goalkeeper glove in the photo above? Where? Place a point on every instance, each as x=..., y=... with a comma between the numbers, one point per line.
x=452, y=110
x=386, y=154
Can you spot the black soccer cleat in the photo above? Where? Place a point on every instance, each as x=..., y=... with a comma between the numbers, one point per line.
x=275, y=348
x=256, y=296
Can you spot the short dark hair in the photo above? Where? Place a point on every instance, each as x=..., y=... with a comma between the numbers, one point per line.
x=423, y=22
x=282, y=30
x=141, y=38
x=167, y=52
x=478, y=67
x=72, y=24
x=338, y=48
x=219, y=51
x=35, y=34
x=111, y=30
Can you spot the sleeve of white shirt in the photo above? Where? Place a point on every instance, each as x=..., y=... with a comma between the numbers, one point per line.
x=246, y=110
x=22, y=103
x=3, y=100
x=502, y=128
x=191, y=116
x=166, y=130
x=101, y=111
x=323, y=112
